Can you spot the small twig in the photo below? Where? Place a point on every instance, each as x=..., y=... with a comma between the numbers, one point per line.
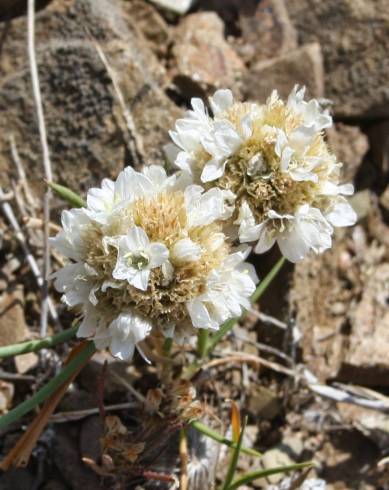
x=16, y=376
x=135, y=140
x=183, y=451
x=73, y=415
x=268, y=319
x=134, y=392
x=234, y=357
x=46, y=159
x=22, y=175
x=264, y=347
x=9, y=214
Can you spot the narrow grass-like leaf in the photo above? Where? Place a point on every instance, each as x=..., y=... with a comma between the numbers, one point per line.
x=212, y=434
x=234, y=458
x=202, y=342
x=67, y=194
x=41, y=395
x=229, y=324
x=254, y=475
x=35, y=345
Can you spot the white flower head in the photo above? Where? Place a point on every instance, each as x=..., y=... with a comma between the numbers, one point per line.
x=144, y=252
x=205, y=143
x=273, y=160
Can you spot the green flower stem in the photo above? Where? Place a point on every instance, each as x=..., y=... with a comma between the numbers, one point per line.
x=167, y=346
x=41, y=395
x=35, y=345
x=229, y=324
x=254, y=475
x=202, y=342
x=212, y=434
x=68, y=195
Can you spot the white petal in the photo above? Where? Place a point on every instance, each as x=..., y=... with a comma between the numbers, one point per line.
x=249, y=230
x=203, y=208
x=130, y=185
x=140, y=279
x=88, y=325
x=136, y=239
x=221, y=101
x=171, y=151
x=246, y=126
x=342, y=214
x=266, y=239
x=167, y=272
x=199, y=314
x=292, y=245
x=213, y=170
x=186, y=250
x=158, y=254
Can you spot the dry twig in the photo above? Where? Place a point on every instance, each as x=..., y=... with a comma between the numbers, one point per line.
x=46, y=159
x=135, y=141
x=10, y=215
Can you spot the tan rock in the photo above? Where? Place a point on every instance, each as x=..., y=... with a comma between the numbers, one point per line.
x=25, y=362
x=267, y=31
x=367, y=356
x=355, y=42
x=340, y=299
x=202, y=53
x=150, y=23
x=7, y=392
x=12, y=323
x=302, y=66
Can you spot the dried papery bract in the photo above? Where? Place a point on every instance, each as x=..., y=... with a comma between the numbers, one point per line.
x=128, y=455
x=273, y=164
x=148, y=256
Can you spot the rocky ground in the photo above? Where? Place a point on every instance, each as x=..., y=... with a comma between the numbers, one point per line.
x=328, y=315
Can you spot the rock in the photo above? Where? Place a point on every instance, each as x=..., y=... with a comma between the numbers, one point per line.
x=263, y=403
x=202, y=53
x=16, y=479
x=384, y=198
x=355, y=42
x=366, y=359
x=151, y=24
x=13, y=327
x=350, y=146
x=266, y=31
x=362, y=203
x=25, y=362
x=273, y=458
x=66, y=457
x=379, y=153
x=87, y=134
x=301, y=66
x=7, y=391
x=346, y=342
x=91, y=433
x=372, y=424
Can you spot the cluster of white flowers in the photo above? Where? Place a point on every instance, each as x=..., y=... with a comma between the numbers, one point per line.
x=273, y=162
x=152, y=254
x=148, y=256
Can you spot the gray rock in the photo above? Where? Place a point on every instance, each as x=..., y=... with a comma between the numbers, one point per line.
x=267, y=31
x=87, y=134
x=355, y=42
x=301, y=66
